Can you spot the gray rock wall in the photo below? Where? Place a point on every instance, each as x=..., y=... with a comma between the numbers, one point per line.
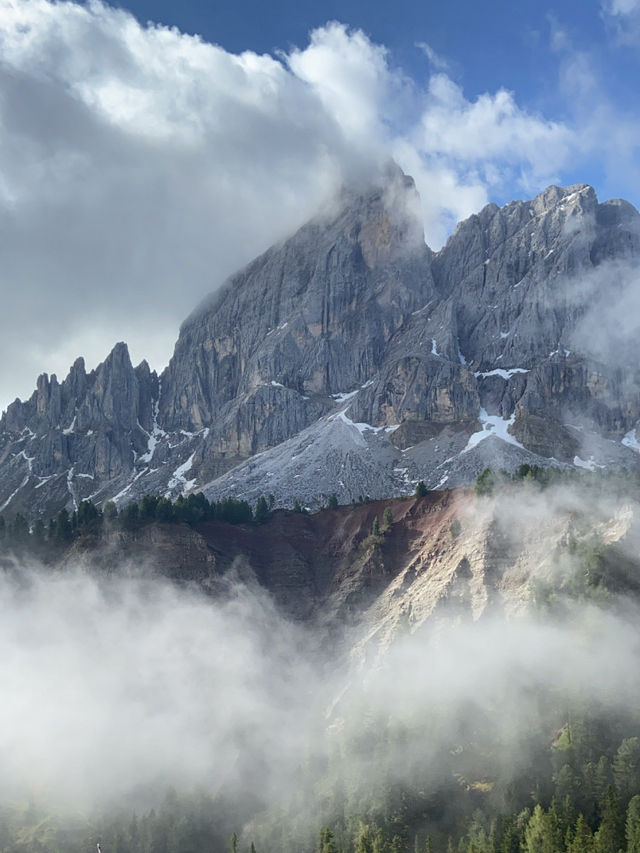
x=352, y=336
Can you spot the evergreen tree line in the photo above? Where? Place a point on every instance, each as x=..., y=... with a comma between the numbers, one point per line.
x=574, y=799
x=88, y=520
x=588, y=803
x=612, y=480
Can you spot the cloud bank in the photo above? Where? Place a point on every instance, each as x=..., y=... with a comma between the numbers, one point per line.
x=116, y=687
x=141, y=166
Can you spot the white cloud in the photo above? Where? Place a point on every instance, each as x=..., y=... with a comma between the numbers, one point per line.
x=449, y=196
x=127, y=683
x=462, y=152
x=459, y=151
x=438, y=62
x=622, y=7
x=625, y=17
x=351, y=78
x=491, y=128
x=140, y=166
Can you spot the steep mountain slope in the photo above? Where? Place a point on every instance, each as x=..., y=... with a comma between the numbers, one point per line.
x=351, y=359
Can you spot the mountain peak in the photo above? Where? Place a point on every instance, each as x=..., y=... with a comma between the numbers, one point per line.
x=351, y=359
x=119, y=354
x=316, y=312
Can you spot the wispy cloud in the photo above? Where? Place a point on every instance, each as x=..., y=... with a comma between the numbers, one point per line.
x=436, y=61
x=622, y=7
x=625, y=15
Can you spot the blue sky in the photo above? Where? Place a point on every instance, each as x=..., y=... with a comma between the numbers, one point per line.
x=525, y=46
x=141, y=165
x=493, y=43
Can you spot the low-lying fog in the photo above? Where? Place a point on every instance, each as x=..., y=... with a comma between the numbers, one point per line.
x=115, y=685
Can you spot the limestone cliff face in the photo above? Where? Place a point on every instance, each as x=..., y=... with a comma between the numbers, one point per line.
x=520, y=279
x=513, y=284
x=309, y=318
x=355, y=302
x=72, y=437
x=352, y=359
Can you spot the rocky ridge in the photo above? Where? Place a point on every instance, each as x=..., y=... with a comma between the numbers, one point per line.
x=351, y=359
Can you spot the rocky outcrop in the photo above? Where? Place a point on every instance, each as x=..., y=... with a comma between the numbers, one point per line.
x=351, y=359
x=70, y=438
x=312, y=317
x=520, y=280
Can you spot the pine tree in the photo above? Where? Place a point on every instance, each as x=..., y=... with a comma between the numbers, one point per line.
x=87, y=514
x=148, y=507
x=538, y=834
x=133, y=832
x=626, y=768
x=20, y=529
x=38, y=532
x=632, y=828
x=567, y=783
x=610, y=836
x=582, y=839
x=261, y=513
x=63, y=529
x=380, y=844
x=110, y=511
x=130, y=516
x=508, y=836
x=164, y=510
x=485, y=483
x=326, y=842
x=398, y=844
x=365, y=842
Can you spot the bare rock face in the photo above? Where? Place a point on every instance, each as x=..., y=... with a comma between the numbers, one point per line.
x=309, y=318
x=517, y=283
x=351, y=359
x=506, y=330
x=69, y=438
x=419, y=387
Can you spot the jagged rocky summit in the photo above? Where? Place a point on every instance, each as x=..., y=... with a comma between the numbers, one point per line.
x=351, y=359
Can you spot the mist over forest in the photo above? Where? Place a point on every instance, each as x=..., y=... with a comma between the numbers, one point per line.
x=151, y=714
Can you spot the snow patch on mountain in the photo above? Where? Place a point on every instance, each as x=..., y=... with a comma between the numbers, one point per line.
x=631, y=441
x=493, y=425
x=178, y=477
x=504, y=374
